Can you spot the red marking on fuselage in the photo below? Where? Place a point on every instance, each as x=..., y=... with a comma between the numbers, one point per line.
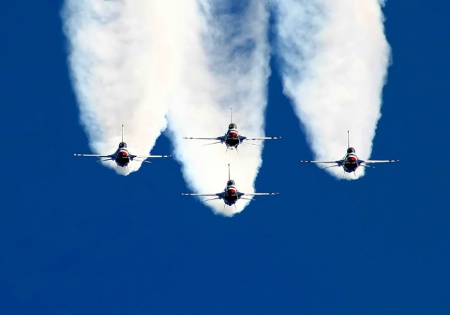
x=233, y=134
x=352, y=159
x=232, y=191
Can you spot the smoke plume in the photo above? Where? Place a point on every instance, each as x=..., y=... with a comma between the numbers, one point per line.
x=123, y=58
x=138, y=61
x=334, y=57
x=226, y=65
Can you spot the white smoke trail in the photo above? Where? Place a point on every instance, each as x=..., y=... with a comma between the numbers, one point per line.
x=226, y=65
x=125, y=60
x=334, y=56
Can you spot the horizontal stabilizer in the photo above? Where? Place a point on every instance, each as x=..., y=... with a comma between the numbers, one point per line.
x=212, y=143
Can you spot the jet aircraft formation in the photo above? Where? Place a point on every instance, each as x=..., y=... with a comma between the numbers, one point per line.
x=232, y=139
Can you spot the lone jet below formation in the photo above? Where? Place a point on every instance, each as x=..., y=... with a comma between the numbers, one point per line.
x=232, y=139
x=230, y=194
x=122, y=157
x=350, y=162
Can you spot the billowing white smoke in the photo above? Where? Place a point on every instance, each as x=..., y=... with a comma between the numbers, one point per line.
x=134, y=61
x=334, y=60
x=124, y=57
x=226, y=65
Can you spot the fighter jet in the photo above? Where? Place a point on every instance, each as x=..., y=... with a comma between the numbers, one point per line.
x=122, y=157
x=230, y=194
x=232, y=138
x=350, y=162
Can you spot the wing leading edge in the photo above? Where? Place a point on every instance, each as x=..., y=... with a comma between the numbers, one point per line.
x=260, y=194
x=149, y=156
x=220, y=195
x=379, y=161
x=216, y=138
x=94, y=155
x=327, y=162
x=260, y=138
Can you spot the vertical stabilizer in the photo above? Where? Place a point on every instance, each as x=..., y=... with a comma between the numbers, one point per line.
x=348, y=139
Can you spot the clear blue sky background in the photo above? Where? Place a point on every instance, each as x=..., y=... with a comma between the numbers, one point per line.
x=75, y=238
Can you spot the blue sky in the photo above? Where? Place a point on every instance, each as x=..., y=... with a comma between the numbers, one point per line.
x=75, y=238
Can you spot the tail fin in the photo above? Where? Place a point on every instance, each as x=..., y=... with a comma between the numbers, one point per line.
x=348, y=139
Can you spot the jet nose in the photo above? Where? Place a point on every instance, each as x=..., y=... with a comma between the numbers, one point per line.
x=233, y=134
x=232, y=191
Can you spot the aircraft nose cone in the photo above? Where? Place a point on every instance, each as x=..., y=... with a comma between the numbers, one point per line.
x=232, y=191
x=233, y=134
x=352, y=159
x=123, y=154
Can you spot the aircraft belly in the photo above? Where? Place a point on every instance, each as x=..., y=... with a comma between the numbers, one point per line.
x=122, y=161
x=232, y=142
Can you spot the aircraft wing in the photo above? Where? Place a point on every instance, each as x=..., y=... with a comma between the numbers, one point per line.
x=149, y=156
x=260, y=194
x=216, y=138
x=340, y=162
x=95, y=155
x=220, y=195
x=242, y=138
x=378, y=161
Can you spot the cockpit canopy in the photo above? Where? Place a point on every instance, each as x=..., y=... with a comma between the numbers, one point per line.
x=232, y=126
x=122, y=145
x=230, y=182
x=350, y=150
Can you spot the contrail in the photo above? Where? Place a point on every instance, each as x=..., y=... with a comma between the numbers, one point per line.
x=125, y=59
x=226, y=65
x=334, y=58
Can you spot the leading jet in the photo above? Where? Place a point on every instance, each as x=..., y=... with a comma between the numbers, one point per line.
x=122, y=156
x=231, y=194
x=350, y=162
x=232, y=138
